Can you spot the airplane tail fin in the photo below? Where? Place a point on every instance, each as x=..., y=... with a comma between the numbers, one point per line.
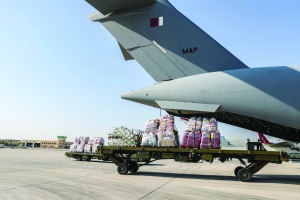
x=161, y=39
x=263, y=139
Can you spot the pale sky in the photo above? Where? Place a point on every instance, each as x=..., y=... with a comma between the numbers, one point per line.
x=61, y=74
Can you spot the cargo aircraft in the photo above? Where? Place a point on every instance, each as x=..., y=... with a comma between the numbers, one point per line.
x=195, y=75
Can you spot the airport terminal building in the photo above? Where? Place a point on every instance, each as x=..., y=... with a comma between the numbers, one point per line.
x=60, y=143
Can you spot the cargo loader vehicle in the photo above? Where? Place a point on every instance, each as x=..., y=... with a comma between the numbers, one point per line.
x=130, y=159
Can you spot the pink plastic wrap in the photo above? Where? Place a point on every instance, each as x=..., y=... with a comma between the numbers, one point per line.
x=205, y=140
x=205, y=124
x=80, y=148
x=77, y=141
x=197, y=139
x=216, y=140
x=84, y=140
x=99, y=141
x=185, y=139
x=191, y=125
x=87, y=148
x=213, y=125
x=191, y=141
x=199, y=124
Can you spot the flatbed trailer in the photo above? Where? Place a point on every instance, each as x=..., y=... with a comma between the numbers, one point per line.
x=131, y=158
x=86, y=156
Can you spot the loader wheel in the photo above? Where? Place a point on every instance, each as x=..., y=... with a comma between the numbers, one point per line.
x=133, y=167
x=123, y=168
x=245, y=175
x=88, y=159
x=79, y=158
x=105, y=158
x=237, y=169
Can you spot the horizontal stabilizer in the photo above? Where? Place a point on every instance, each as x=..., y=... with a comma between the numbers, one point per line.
x=106, y=7
x=175, y=105
x=281, y=144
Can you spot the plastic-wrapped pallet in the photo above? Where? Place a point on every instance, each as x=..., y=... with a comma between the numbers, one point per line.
x=115, y=136
x=148, y=126
x=98, y=140
x=73, y=148
x=145, y=140
x=191, y=141
x=154, y=126
x=91, y=140
x=199, y=124
x=87, y=148
x=123, y=137
x=163, y=123
x=170, y=123
x=216, y=139
x=152, y=140
x=185, y=140
x=168, y=140
x=205, y=124
x=190, y=126
x=84, y=140
x=213, y=125
x=94, y=148
x=165, y=134
x=80, y=148
x=197, y=139
x=205, y=140
x=160, y=137
x=77, y=141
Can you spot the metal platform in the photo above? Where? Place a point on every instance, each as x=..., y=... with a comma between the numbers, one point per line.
x=129, y=159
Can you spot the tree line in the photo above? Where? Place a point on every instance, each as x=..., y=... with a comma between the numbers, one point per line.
x=10, y=143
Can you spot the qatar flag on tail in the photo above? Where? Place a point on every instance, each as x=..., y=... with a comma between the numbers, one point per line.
x=158, y=21
x=263, y=139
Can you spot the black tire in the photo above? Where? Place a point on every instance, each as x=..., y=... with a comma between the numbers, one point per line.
x=133, y=167
x=79, y=158
x=88, y=159
x=123, y=169
x=105, y=158
x=245, y=175
x=237, y=169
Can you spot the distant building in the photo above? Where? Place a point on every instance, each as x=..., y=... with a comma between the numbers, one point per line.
x=60, y=143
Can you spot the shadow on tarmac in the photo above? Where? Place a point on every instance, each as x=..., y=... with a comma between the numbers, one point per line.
x=95, y=161
x=257, y=178
x=155, y=164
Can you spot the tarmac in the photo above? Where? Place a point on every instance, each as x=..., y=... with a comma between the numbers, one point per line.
x=48, y=174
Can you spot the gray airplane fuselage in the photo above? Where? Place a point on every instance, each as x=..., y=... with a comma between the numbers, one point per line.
x=259, y=99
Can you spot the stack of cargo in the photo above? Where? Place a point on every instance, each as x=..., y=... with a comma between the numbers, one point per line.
x=205, y=138
x=82, y=142
x=124, y=137
x=88, y=146
x=166, y=136
x=192, y=135
x=72, y=148
x=150, y=133
x=97, y=141
x=74, y=145
x=210, y=134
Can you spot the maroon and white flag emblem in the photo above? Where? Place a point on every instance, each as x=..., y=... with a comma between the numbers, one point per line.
x=158, y=21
